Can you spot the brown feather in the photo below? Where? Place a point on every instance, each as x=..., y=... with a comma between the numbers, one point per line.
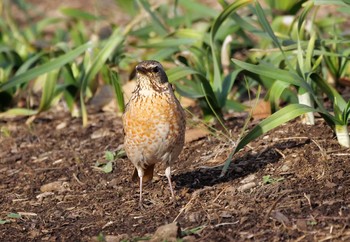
x=148, y=174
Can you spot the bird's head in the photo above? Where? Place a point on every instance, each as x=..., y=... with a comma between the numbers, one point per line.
x=151, y=76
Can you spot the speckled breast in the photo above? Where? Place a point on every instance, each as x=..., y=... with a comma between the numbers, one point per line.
x=154, y=128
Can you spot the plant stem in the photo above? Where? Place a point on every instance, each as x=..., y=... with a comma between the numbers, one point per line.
x=307, y=118
x=342, y=135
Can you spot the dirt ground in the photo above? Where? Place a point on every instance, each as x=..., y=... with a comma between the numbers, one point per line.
x=291, y=184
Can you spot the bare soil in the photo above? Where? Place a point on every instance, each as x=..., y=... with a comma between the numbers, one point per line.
x=291, y=184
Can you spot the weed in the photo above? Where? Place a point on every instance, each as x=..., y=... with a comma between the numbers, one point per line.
x=270, y=180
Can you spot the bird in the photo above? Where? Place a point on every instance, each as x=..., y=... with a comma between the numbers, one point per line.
x=154, y=124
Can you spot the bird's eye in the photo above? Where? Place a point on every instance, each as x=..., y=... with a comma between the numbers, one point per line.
x=155, y=69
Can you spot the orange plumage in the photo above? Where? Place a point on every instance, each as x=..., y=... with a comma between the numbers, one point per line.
x=154, y=123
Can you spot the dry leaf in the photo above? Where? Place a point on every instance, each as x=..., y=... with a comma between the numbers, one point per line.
x=280, y=217
x=261, y=110
x=195, y=134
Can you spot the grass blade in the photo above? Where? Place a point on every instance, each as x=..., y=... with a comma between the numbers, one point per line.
x=114, y=78
x=217, y=23
x=18, y=112
x=198, y=8
x=156, y=23
x=227, y=86
x=199, y=87
x=332, y=2
x=48, y=90
x=47, y=67
x=114, y=40
x=274, y=73
x=266, y=26
x=280, y=117
x=179, y=72
x=78, y=14
x=169, y=43
x=28, y=63
x=275, y=92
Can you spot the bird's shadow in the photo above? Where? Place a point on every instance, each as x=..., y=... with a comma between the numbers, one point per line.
x=239, y=167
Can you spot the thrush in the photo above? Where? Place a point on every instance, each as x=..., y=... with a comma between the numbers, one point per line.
x=154, y=124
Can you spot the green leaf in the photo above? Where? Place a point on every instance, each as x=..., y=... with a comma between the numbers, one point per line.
x=129, y=6
x=175, y=74
x=269, y=180
x=330, y=91
x=114, y=40
x=306, y=9
x=286, y=76
x=78, y=14
x=190, y=90
x=118, y=90
x=47, y=67
x=190, y=33
x=265, y=24
x=14, y=215
x=274, y=73
x=235, y=105
x=198, y=8
x=275, y=92
x=227, y=86
x=267, y=27
x=4, y=221
x=162, y=54
x=41, y=25
x=216, y=25
x=280, y=117
x=108, y=167
x=28, y=63
x=156, y=23
x=346, y=113
x=48, y=90
x=285, y=5
x=244, y=24
x=226, y=13
x=192, y=231
x=331, y=2
x=109, y=155
x=120, y=153
x=198, y=87
x=168, y=43
x=18, y=112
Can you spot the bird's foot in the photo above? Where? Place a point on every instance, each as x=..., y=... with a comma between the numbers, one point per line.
x=174, y=202
x=142, y=206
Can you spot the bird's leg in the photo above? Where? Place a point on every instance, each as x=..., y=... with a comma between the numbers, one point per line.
x=168, y=175
x=140, y=173
x=140, y=201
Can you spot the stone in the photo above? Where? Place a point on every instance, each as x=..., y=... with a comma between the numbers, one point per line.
x=168, y=232
x=246, y=187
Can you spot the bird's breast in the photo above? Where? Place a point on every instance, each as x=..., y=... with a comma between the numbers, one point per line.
x=153, y=125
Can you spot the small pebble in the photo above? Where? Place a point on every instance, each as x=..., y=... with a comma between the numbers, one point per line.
x=168, y=232
x=246, y=187
x=53, y=187
x=248, y=179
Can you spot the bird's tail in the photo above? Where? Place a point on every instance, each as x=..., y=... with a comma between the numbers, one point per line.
x=148, y=174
